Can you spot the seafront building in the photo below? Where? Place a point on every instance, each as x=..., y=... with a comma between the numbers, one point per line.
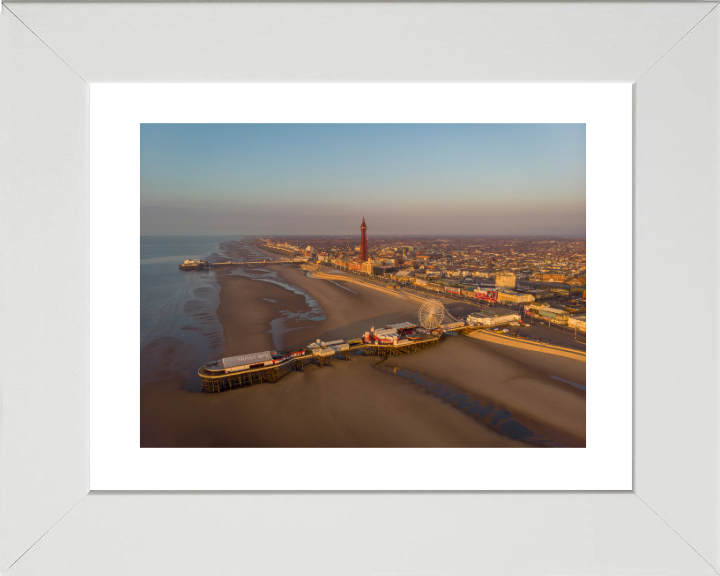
x=486, y=321
x=514, y=297
x=505, y=280
x=546, y=313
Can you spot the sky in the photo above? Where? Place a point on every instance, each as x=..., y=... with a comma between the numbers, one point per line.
x=321, y=179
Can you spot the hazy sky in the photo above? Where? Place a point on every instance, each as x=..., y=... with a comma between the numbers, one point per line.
x=465, y=179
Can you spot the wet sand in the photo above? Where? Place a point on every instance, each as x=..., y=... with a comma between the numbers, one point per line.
x=513, y=376
x=351, y=309
x=511, y=379
x=247, y=308
x=354, y=403
x=349, y=404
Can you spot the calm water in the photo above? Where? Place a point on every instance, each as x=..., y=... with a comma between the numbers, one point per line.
x=181, y=306
x=176, y=304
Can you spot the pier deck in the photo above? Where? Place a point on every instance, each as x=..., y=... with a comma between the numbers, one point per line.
x=208, y=265
x=390, y=350
x=222, y=382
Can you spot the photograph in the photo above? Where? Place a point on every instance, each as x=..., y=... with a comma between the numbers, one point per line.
x=363, y=285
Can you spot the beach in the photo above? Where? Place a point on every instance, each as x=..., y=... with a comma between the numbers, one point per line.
x=525, y=397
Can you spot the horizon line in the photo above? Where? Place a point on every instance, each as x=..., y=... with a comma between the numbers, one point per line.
x=382, y=235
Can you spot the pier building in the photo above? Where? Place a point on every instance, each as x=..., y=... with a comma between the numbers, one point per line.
x=194, y=265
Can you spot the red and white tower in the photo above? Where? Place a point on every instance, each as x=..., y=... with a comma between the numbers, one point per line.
x=363, y=242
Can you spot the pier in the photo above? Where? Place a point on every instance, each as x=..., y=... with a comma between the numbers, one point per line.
x=190, y=265
x=400, y=349
x=214, y=382
x=222, y=382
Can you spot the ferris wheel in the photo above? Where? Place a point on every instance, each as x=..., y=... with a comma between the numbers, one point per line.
x=431, y=314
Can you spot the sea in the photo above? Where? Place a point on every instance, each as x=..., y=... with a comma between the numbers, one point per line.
x=178, y=310
x=179, y=305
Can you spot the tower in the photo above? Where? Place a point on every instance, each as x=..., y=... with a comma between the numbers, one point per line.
x=363, y=242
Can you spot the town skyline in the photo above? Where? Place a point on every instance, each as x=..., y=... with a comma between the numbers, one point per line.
x=279, y=235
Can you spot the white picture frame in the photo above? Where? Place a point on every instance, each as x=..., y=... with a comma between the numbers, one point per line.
x=49, y=523
x=117, y=460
